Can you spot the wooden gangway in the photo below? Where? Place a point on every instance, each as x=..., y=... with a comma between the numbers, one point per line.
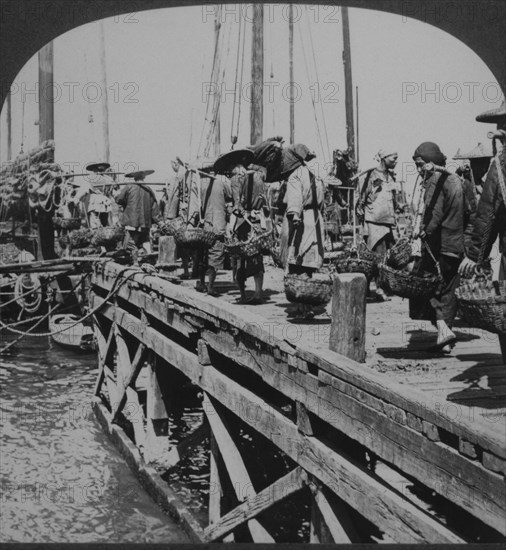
x=435, y=422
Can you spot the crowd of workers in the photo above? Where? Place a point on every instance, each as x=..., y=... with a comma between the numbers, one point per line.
x=456, y=221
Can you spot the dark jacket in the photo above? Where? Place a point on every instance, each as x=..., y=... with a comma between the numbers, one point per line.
x=140, y=208
x=490, y=220
x=443, y=220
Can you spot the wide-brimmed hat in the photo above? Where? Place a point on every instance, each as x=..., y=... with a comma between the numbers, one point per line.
x=228, y=160
x=139, y=174
x=98, y=166
x=479, y=152
x=494, y=115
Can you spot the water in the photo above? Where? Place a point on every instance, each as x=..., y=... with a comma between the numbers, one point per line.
x=61, y=478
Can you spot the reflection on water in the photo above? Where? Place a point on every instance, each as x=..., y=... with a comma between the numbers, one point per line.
x=61, y=478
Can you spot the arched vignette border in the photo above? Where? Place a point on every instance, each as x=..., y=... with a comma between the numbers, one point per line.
x=27, y=25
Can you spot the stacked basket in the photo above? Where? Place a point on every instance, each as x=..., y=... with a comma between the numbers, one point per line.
x=359, y=260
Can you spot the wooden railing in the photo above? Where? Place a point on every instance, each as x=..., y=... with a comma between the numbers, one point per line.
x=322, y=410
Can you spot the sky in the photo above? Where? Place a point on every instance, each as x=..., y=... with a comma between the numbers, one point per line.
x=415, y=83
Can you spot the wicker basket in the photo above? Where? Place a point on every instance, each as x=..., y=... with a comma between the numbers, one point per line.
x=258, y=243
x=481, y=307
x=88, y=251
x=399, y=255
x=171, y=227
x=67, y=223
x=314, y=292
x=107, y=236
x=195, y=237
x=80, y=238
x=407, y=285
x=350, y=264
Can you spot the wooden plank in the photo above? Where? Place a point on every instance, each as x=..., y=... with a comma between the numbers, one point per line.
x=235, y=466
x=347, y=331
x=282, y=488
x=475, y=430
x=386, y=508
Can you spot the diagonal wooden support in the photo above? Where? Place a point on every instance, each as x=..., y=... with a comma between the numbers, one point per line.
x=182, y=449
x=282, y=488
x=134, y=414
x=124, y=363
x=157, y=417
x=234, y=464
x=104, y=348
x=128, y=379
x=338, y=527
x=219, y=494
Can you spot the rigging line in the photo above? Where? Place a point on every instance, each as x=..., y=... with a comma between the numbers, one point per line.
x=236, y=79
x=318, y=134
x=215, y=118
x=90, y=109
x=22, y=125
x=242, y=77
x=308, y=23
x=212, y=104
x=216, y=98
x=215, y=57
x=271, y=48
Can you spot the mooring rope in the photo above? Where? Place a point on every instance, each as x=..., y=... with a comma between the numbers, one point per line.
x=111, y=293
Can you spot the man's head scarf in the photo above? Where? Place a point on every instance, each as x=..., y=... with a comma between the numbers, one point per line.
x=293, y=157
x=430, y=152
x=385, y=152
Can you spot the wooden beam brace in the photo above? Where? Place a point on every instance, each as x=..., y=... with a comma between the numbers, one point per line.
x=334, y=514
x=303, y=421
x=187, y=445
x=234, y=464
x=134, y=414
x=104, y=348
x=129, y=379
x=251, y=507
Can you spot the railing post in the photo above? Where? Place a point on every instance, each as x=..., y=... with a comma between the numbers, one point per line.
x=347, y=331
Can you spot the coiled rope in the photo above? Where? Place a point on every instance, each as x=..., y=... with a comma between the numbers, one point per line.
x=115, y=288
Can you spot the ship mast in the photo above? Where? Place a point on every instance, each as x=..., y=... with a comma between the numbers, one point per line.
x=9, y=126
x=257, y=75
x=46, y=132
x=217, y=122
x=46, y=93
x=105, y=103
x=290, y=54
x=348, y=82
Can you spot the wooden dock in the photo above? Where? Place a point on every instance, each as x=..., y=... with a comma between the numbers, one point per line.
x=435, y=422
